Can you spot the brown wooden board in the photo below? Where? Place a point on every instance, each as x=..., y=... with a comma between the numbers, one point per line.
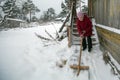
x=106, y=12
x=110, y=41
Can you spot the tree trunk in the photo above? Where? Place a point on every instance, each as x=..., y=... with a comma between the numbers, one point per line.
x=30, y=15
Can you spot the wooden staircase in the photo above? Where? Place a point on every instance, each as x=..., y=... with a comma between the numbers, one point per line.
x=74, y=37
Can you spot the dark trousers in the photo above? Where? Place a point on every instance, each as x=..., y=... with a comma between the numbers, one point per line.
x=89, y=41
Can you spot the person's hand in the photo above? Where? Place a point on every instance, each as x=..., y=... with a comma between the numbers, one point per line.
x=83, y=31
x=82, y=36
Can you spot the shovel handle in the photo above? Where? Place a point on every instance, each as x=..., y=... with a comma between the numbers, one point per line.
x=80, y=56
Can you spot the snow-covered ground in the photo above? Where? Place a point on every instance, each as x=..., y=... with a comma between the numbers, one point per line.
x=24, y=56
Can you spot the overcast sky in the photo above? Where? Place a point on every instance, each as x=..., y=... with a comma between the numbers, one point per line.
x=43, y=5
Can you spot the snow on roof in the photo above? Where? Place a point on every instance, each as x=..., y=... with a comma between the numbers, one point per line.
x=109, y=28
x=15, y=19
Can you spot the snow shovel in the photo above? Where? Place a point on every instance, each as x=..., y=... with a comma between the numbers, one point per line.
x=79, y=67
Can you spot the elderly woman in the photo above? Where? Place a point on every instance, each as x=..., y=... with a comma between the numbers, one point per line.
x=84, y=26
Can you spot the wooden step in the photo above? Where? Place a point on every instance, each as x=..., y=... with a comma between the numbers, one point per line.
x=75, y=32
x=74, y=28
x=78, y=38
x=78, y=43
x=74, y=24
x=77, y=35
x=93, y=39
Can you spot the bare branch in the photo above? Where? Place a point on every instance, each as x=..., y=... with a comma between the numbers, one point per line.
x=42, y=37
x=55, y=30
x=51, y=36
x=64, y=23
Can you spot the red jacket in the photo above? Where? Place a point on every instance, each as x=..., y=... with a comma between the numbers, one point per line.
x=85, y=25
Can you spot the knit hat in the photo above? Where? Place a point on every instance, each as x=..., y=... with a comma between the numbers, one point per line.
x=80, y=13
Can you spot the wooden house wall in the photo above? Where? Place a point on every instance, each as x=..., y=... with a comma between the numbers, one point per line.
x=107, y=12
x=109, y=41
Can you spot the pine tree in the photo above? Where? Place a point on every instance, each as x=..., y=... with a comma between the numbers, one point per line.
x=66, y=6
x=9, y=10
x=51, y=13
x=15, y=12
x=8, y=7
x=29, y=8
x=48, y=15
x=85, y=9
x=63, y=12
x=34, y=19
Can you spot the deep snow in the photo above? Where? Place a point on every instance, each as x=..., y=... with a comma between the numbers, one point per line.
x=24, y=56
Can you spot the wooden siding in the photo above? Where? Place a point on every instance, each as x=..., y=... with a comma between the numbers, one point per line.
x=106, y=12
x=110, y=41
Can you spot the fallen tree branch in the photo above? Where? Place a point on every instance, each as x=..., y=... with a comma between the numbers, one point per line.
x=42, y=37
x=64, y=23
x=57, y=34
x=107, y=59
x=51, y=36
x=63, y=35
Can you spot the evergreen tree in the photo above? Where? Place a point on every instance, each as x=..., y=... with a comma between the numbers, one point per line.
x=64, y=11
x=45, y=16
x=29, y=8
x=8, y=8
x=34, y=19
x=48, y=15
x=51, y=13
x=85, y=9
x=0, y=18
x=15, y=13
x=66, y=7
